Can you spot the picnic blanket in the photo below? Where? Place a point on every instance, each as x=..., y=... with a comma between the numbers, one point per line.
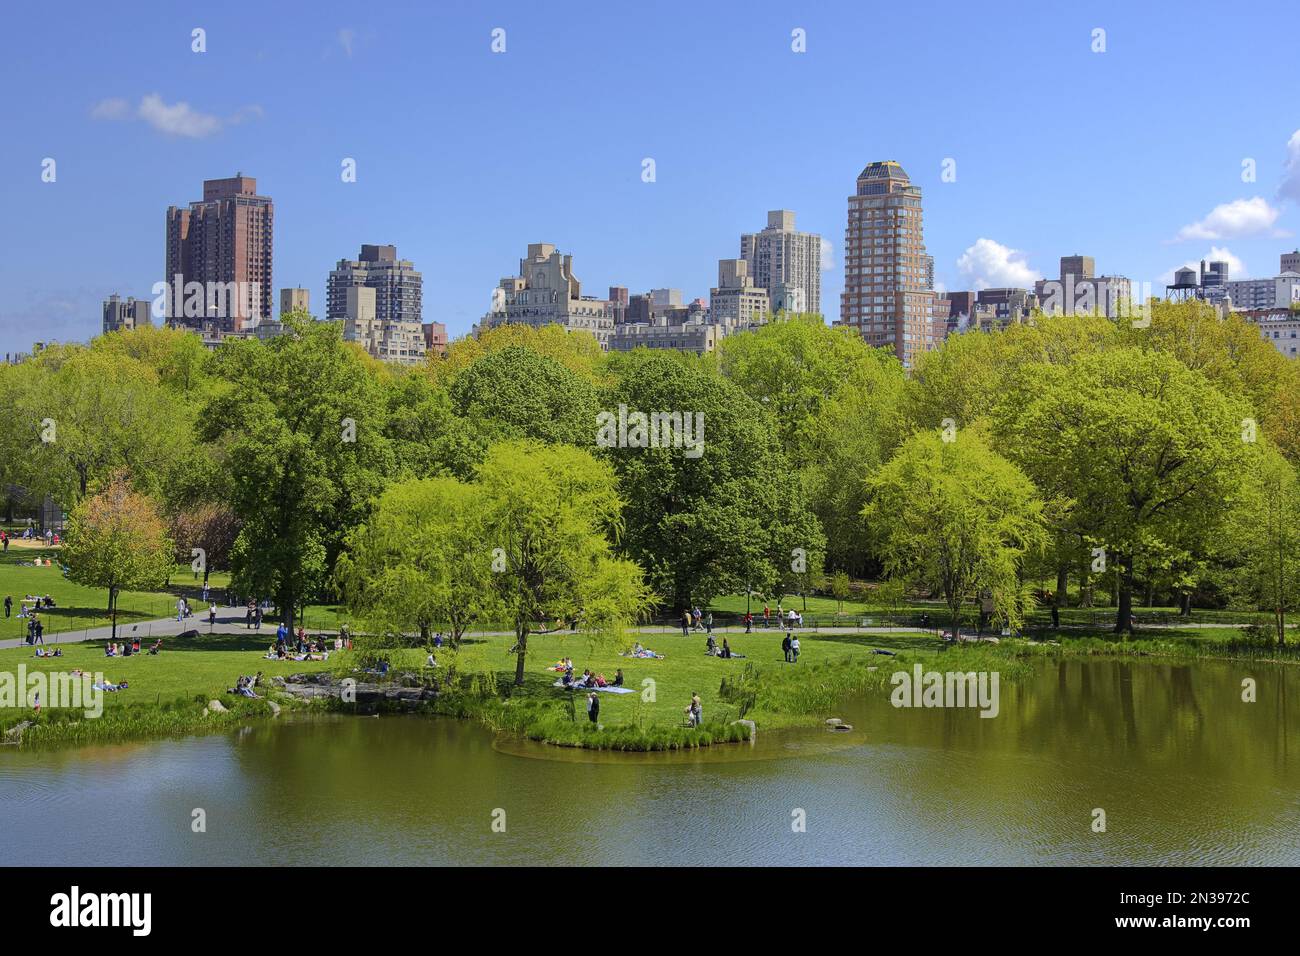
x=644, y=655
x=604, y=690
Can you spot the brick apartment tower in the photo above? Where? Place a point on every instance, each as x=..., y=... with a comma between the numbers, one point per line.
x=223, y=239
x=888, y=278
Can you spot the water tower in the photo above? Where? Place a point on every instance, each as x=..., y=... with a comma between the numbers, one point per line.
x=1184, y=285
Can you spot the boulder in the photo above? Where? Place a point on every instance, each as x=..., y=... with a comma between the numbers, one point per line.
x=217, y=707
x=275, y=708
x=15, y=733
x=753, y=727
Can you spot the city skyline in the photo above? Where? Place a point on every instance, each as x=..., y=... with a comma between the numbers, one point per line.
x=474, y=184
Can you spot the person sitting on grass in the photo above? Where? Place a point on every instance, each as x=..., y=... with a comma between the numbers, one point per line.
x=711, y=646
x=157, y=646
x=110, y=650
x=618, y=677
x=726, y=649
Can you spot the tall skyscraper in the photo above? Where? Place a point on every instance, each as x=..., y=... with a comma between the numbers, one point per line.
x=888, y=293
x=398, y=287
x=224, y=244
x=785, y=262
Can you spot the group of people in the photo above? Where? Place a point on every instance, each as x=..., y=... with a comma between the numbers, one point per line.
x=713, y=649
x=304, y=647
x=588, y=679
x=128, y=648
x=694, y=619
x=244, y=686
x=36, y=602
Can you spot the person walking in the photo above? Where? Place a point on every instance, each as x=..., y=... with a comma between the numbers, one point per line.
x=785, y=646
x=593, y=708
x=205, y=591
x=9, y=604
x=794, y=650
x=212, y=615
x=248, y=616
x=180, y=610
x=257, y=617
x=749, y=623
x=40, y=629
x=708, y=623
x=767, y=616
x=686, y=623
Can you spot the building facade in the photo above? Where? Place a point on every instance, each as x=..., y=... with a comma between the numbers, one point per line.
x=737, y=303
x=124, y=314
x=888, y=277
x=398, y=287
x=295, y=300
x=1276, y=293
x=785, y=263
x=1080, y=291
x=546, y=292
x=1279, y=326
x=402, y=343
x=222, y=248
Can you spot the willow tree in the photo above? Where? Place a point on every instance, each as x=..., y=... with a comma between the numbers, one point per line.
x=420, y=560
x=550, y=515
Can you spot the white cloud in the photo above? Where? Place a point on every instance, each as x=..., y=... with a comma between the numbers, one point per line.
x=1239, y=219
x=1289, y=188
x=176, y=119
x=989, y=264
x=1236, y=268
x=112, y=108
x=346, y=36
x=828, y=255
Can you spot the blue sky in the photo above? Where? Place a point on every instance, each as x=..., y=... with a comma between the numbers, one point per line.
x=1133, y=155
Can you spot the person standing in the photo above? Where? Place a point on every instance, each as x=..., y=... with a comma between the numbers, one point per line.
x=212, y=615
x=40, y=628
x=749, y=623
x=257, y=617
x=794, y=650
x=686, y=623
x=785, y=646
x=9, y=604
x=697, y=709
x=205, y=591
x=708, y=623
x=593, y=708
x=767, y=616
x=180, y=610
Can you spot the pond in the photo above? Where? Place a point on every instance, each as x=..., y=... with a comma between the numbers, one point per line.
x=1185, y=771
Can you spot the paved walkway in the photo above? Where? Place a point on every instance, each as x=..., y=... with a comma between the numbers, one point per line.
x=231, y=621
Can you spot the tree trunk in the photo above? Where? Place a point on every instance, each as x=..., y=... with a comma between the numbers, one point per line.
x=1124, y=595
x=112, y=610
x=288, y=607
x=1062, y=584
x=521, y=644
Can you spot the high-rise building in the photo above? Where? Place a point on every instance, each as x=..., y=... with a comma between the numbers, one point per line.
x=888, y=277
x=546, y=292
x=294, y=300
x=1290, y=262
x=218, y=259
x=1280, y=292
x=1080, y=267
x=121, y=314
x=785, y=263
x=390, y=341
x=737, y=303
x=398, y=287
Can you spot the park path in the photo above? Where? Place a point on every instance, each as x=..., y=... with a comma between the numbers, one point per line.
x=231, y=621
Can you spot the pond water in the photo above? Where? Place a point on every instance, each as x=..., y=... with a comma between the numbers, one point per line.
x=1185, y=771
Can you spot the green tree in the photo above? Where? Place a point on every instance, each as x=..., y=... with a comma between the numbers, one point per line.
x=729, y=514
x=957, y=517
x=518, y=393
x=117, y=539
x=1263, y=548
x=300, y=423
x=421, y=560
x=841, y=588
x=552, y=511
x=1148, y=454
